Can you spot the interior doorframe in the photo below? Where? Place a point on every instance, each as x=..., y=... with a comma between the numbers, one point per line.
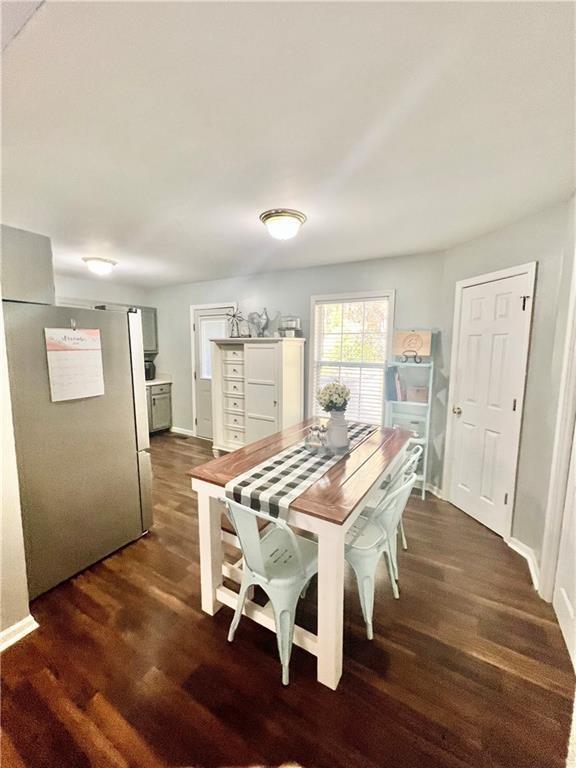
x=561, y=454
x=193, y=309
x=489, y=277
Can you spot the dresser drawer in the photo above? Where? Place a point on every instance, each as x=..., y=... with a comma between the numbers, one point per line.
x=234, y=420
x=233, y=387
x=160, y=389
x=233, y=354
x=234, y=404
x=234, y=436
x=233, y=370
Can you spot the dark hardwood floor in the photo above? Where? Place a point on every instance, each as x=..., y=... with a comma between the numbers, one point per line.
x=468, y=668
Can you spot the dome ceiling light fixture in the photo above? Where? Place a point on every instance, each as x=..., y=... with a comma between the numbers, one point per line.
x=98, y=265
x=282, y=223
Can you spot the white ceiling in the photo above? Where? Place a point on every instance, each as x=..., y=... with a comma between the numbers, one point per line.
x=155, y=133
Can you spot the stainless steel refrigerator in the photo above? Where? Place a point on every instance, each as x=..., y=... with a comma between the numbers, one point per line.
x=83, y=464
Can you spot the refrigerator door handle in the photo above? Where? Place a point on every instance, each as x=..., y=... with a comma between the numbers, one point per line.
x=138, y=379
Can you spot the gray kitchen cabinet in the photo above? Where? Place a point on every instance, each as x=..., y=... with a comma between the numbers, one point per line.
x=159, y=407
x=149, y=329
x=149, y=322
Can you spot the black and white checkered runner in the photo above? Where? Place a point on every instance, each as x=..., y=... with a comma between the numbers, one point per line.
x=272, y=485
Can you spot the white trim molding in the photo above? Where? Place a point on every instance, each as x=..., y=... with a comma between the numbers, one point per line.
x=502, y=274
x=435, y=491
x=183, y=431
x=17, y=631
x=389, y=294
x=529, y=555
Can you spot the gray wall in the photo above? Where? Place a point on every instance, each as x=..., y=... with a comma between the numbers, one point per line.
x=416, y=279
x=547, y=238
x=97, y=289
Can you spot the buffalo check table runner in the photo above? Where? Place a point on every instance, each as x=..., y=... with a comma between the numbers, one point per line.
x=272, y=485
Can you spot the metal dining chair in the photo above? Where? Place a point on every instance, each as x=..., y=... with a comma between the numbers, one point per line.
x=408, y=466
x=370, y=538
x=281, y=563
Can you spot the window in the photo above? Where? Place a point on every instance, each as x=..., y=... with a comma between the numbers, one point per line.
x=350, y=345
x=210, y=328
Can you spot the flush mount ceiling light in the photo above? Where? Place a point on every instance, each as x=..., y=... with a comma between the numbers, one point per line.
x=99, y=266
x=282, y=223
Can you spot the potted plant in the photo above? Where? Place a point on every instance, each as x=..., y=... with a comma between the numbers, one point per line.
x=333, y=398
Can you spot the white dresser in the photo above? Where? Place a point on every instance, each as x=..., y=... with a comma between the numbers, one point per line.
x=257, y=389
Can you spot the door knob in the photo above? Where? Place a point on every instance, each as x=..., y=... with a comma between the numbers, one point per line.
x=456, y=410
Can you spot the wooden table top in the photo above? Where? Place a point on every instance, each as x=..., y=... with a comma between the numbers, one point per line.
x=338, y=492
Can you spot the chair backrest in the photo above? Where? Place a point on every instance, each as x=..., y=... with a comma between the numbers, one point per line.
x=409, y=466
x=379, y=495
x=245, y=522
x=388, y=513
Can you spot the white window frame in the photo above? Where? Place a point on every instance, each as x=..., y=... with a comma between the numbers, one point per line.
x=390, y=295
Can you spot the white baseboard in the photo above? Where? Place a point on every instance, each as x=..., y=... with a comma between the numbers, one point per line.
x=17, y=631
x=530, y=557
x=434, y=490
x=182, y=431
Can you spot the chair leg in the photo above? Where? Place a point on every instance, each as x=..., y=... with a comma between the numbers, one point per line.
x=393, y=546
x=364, y=570
x=366, y=591
x=284, y=615
x=391, y=572
x=403, y=535
x=244, y=588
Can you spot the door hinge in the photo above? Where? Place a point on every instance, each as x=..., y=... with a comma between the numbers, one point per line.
x=505, y=498
x=195, y=422
x=514, y=404
x=194, y=375
x=524, y=300
x=194, y=327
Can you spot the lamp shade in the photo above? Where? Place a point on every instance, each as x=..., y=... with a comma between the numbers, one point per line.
x=282, y=223
x=99, y=266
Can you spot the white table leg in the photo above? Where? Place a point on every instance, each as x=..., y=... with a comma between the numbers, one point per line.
x=209, y=512
x=330, y=603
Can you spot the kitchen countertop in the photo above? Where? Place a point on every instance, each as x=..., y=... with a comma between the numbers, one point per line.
x=160, y=379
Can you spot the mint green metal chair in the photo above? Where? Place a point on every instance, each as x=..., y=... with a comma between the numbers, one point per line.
x=409, y=465
x=281, y=563
x=374, y=536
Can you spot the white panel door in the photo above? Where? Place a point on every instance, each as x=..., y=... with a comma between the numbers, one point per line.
x=261, y=373
x=208, y=324
x=488, y=393
x=564, y=599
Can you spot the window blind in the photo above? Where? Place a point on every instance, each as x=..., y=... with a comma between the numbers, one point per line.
x=350, y=346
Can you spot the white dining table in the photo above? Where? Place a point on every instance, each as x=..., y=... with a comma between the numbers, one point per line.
x=326, y=509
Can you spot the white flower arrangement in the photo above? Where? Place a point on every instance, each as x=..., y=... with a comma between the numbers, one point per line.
x=333, y=397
